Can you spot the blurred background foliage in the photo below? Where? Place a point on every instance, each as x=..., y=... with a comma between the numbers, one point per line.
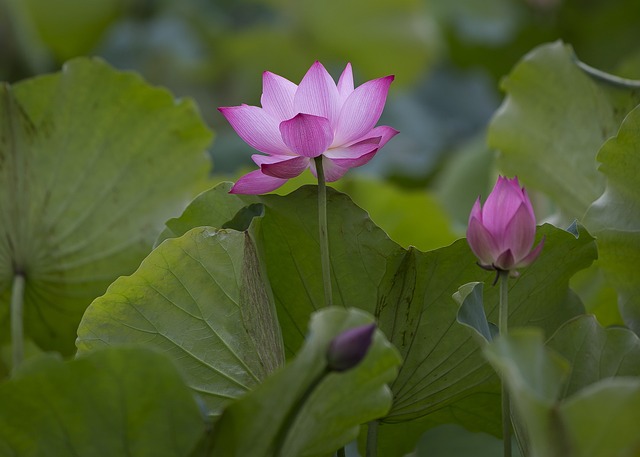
x=448, y=57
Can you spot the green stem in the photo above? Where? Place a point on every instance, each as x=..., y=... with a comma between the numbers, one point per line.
x=341, y=452
x=503, y=319
x=607, y=78
x=295, y=410
x=324, y=234
x=372, y=439
x=503, y=325
x=17, y=321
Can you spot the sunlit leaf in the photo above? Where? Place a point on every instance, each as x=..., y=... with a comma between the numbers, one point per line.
x=302, y=410
x=200, y=298
x=552, y=123
x=110, y=403
x=92, y=162
x=615, y=217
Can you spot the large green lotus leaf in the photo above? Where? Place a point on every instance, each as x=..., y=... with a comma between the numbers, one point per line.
x=92, y=162
x=202, y=299
x=302, y=410
x=408, y=291
x=111, y=403
x=615, y=217
x=595, y=352
x=552, y=123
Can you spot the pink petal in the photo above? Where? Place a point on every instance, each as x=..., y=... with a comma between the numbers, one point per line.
x=260, y=159
x=257, y=128
x=501, y=205
x=527, y=202
x=332, y=171
x=384, y=132
x=353, y=162
x=317, y=94
x=355, y=150
x=476, y=211
x=277, y=96
x=307, y=135
x=362, y=110
x=345, y=85
x=519, y=233
x=286, y=169
x=505, y=261
x=255, y=183
x=533, y=255
x=481, y=242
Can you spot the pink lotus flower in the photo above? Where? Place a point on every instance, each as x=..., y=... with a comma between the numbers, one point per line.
x=501, y=234
x=317, y=118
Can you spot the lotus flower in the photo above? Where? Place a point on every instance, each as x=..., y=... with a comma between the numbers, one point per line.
x=501, y=233
x=316, y=118
x=349, y=348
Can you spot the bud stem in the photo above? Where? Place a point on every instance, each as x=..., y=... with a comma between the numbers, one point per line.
x=17, y=321
x=323, y=232
x=372, y=439
x=503, y=325
x=292, y=415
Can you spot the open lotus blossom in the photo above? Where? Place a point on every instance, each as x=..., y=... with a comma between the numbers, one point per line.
x=501, y=233
x=298, y=123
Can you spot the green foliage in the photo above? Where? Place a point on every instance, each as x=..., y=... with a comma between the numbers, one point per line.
x=407, y=290
x=114, y=402
x=93, y=161
x=455, y=441
x=87, y=175
x=615, y=219
x=551, y=125
x=556, y=117
x=283, y=416
x=581, y=400
x=202, y=300
x=70, y=28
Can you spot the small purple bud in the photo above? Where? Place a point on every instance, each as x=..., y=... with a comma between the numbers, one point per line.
x=349, y=348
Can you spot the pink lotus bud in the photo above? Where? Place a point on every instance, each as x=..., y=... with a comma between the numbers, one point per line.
x=349, y=348
x=501, y=233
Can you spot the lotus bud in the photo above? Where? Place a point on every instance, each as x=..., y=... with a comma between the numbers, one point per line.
x=501, y=233
x=349, y=348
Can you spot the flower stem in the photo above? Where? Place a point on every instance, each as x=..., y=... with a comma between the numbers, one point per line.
x=297, y=406
x=324, y=234
x=503, y=325
x=372, y=439
x=17, y=321
x=503, y=319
